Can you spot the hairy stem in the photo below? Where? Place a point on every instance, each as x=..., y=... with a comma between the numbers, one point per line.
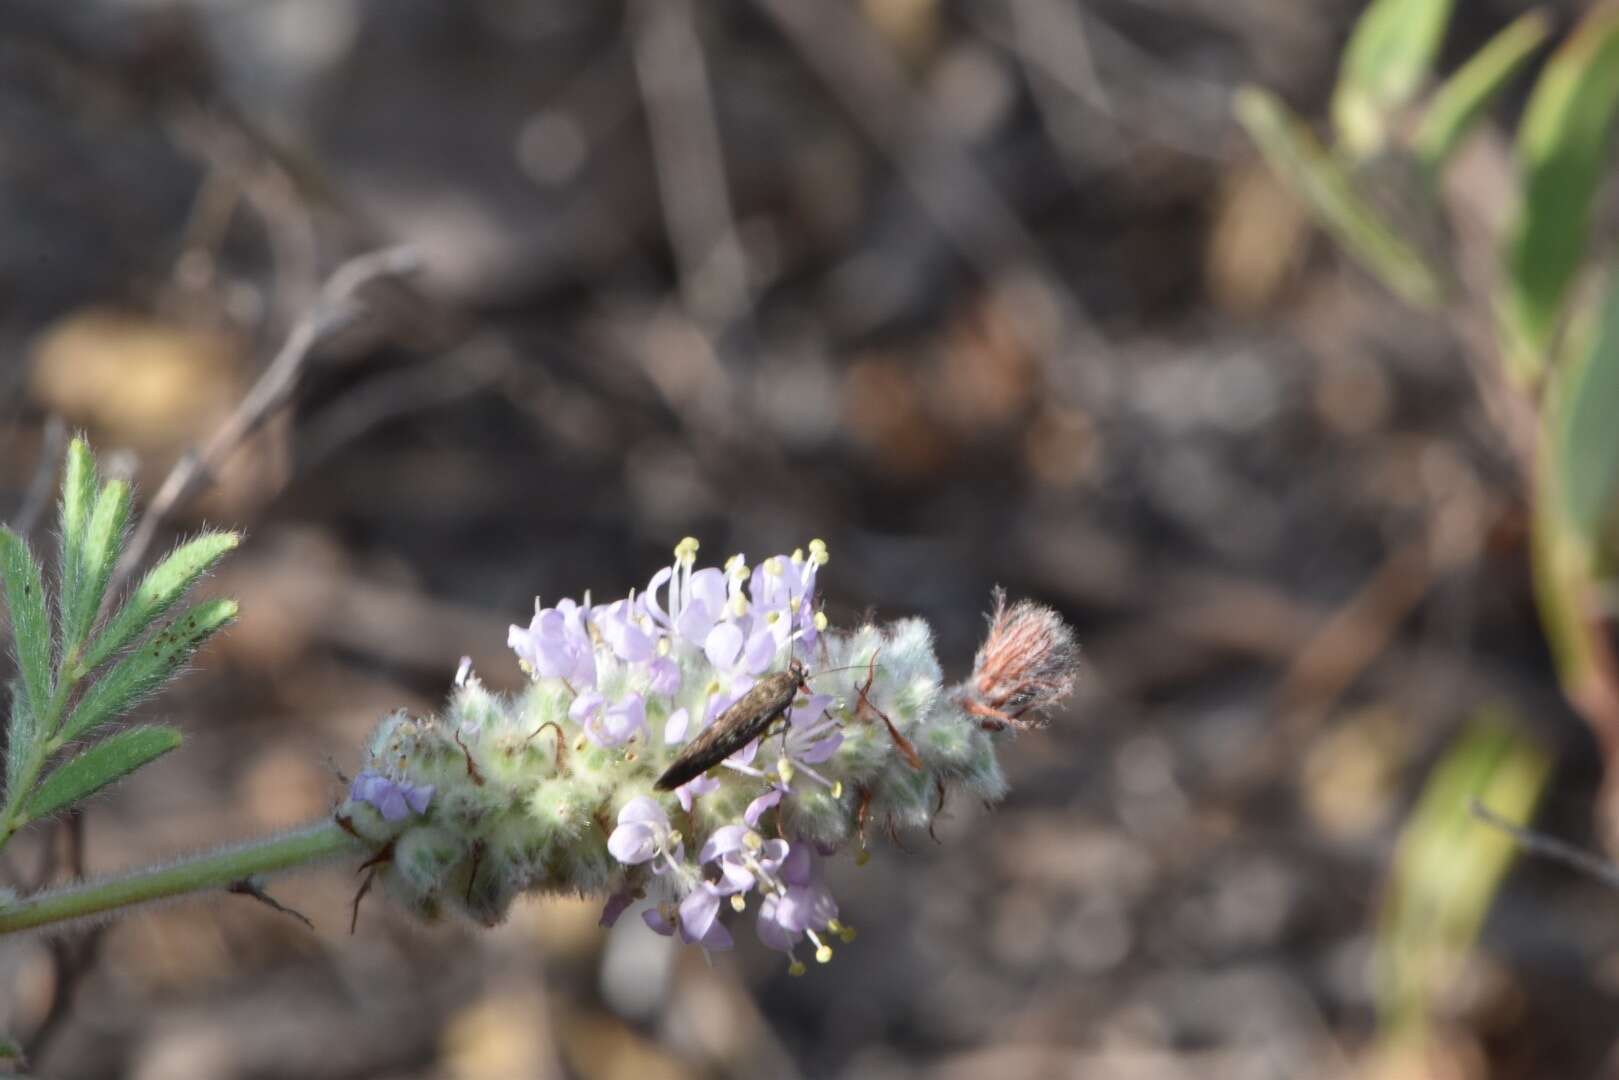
x=211, y=870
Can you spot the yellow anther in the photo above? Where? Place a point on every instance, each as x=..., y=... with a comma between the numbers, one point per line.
x=837, y=789
x=737, y=565
x=738, y=904
x=862, y=857
x=713, y=687
x=820, y=620
x=784, y=769
x=818, y=553
x=674, y=837
x=752, y=840
x=739, y=605
x=686, y=550
x=663, y=646
x=773, y=567
x=847, y=935
x=773, y=617
x=796, y=968
x=823, y=954
x=798, y=556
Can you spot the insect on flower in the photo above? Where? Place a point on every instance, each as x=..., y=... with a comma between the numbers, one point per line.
x=746, y=719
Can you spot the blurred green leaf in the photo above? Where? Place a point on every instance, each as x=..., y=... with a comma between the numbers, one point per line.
x=1563, y=150
x=103, y=540
x=1460, y=103
x=158, y=591
x=78, y=496
x=109, y=760
x=1585, y=434
x=1449, y=865
x=144, y=670
x=1321, y=183
x=30, y=624
x=1560, y=564
x=22, y=731
x=1384, y=65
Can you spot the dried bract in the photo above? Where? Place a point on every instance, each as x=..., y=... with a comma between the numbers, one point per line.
x=1027, y=663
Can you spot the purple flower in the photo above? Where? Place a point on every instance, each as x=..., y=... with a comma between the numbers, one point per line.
x=743, y=857
x=395, y=800
x=697, y=919
x=803, y=908
x=644, y=835
x=674, y=729
x=689, y=792
x=557, y=644
x=783, y=589
x=744, y=645
x=757, y=808
x=608, y=725
x=696, y=601
x=616, y=905
x=663, y=676
x=618, y=628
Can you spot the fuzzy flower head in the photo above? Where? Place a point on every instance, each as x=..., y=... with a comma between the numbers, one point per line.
x=828, y=736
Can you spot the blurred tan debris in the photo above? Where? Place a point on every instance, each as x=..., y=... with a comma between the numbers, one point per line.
x=134, y=380
x=503, y=1035
x=1259, y=239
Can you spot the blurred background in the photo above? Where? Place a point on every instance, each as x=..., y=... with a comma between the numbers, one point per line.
x=979, y=291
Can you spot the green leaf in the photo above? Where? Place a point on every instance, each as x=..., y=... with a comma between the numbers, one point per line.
x=11, y=1049
x=1562, y=151
x=158, y=591
x=22, y=731
x=30, y=625
x=1585, y=437
x=111, y=759
x=1384, y=65
x=103, y=539
x=1301, y=162
x=78, y=496
x=1461, y=102
x=1449, y=864
x=144, y=670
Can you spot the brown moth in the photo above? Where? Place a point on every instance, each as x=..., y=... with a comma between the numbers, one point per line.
x=748, y=718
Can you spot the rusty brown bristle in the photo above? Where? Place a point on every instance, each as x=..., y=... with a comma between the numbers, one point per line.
x=1027, y=663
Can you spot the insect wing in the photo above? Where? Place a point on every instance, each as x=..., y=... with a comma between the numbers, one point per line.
x=733, y=729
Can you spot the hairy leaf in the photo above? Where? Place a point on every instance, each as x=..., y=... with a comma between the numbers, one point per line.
x=30, y=624
x=146, y=669
x=22, y=732
x=109, y=760
x=103, y=540
x=159, y=590
x=78, y=496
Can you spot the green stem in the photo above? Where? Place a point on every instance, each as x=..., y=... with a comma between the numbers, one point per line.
x=45, y=725
x=211, y=870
